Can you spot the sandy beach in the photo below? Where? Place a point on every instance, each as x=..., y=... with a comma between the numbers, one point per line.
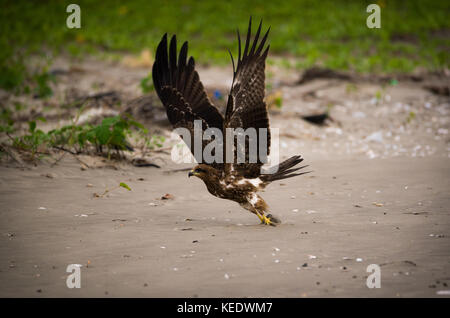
x=378, y=194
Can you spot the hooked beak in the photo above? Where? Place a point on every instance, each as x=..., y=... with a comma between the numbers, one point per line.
x=190, y=174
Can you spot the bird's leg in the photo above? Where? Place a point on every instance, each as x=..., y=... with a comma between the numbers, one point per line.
x=256, y=205
x=260, y=216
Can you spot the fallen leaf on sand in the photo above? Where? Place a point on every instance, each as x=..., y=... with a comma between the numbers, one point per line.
x=167, y=196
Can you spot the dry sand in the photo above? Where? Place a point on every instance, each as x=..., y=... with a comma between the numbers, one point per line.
x=369, y=201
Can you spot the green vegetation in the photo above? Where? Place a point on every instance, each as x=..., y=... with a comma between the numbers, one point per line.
x=147, y=84
x=107, y=191
x=111, y=135
x=124, y=185
x=413, y=33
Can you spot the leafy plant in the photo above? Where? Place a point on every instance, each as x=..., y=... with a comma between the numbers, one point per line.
x=33, y=140
x=6, y=121
x=147, y=85
x=110, y=135
x=42, y=81
x=278, y=101
x=156, y=141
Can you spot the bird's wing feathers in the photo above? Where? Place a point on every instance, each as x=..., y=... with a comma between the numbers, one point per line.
x=246, y=107
x=179, y=87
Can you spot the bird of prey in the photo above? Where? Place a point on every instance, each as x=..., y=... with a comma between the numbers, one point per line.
x=182, y=93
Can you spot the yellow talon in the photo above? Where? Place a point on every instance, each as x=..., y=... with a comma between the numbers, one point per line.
x=267, y=220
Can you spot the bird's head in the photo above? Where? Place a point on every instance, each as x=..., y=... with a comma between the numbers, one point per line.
x=201, y=171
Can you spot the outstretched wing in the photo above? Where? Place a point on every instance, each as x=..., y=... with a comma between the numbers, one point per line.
x=246, y=107
x=179, y=87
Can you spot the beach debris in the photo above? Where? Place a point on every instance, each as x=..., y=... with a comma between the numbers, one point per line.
x=143, y=162
x=443, y=292
x=318, y=119
x=316, y=72
x=218, y=95
x=226, y=276
x=312, y=256
x=371, y=154
x=437, y=235
x=358, y=115
x=42, y=208
x=167, y=196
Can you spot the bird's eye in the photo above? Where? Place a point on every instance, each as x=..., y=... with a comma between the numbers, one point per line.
x=199, y=170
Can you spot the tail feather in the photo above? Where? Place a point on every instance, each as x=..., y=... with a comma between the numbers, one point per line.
x=285, y=170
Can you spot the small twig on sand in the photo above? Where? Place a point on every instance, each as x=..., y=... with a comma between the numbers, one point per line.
x=59, y=159
x=74, y=154
x=65, y=150
x=142, y=162
x=13, y=154
x=81, y=161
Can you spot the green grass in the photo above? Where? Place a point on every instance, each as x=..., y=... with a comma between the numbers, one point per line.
x=328, y=33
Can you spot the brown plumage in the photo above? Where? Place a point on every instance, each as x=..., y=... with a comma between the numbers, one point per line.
x=178, y=86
